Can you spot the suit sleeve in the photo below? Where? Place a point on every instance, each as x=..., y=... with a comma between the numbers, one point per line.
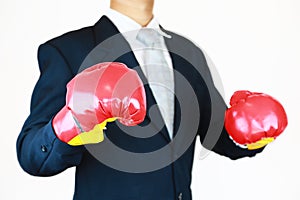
x=215, y=136
x=39, y=151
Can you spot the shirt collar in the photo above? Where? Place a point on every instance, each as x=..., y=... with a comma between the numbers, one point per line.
x=128, y=25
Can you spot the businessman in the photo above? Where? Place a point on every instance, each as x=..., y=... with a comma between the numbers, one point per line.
x=192, y=107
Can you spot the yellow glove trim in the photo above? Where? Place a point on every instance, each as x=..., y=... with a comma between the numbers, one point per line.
x=93, y=136
x=259, y=144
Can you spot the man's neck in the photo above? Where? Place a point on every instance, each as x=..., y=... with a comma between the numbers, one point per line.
x=140, y=11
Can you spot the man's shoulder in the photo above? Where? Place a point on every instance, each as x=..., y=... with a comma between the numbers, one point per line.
x=73, y=38
x=73, y=46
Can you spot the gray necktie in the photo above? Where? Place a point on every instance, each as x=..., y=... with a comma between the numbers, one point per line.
x=158, y=73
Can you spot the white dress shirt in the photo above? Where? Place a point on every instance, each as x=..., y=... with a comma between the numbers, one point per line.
x=129, y=29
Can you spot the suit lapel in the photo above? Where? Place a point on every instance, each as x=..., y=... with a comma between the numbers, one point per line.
x=179, y=66
x=114, y=47
x=177, y=112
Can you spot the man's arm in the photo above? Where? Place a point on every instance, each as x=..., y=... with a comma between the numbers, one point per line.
x=217, y=138
x=39, y=151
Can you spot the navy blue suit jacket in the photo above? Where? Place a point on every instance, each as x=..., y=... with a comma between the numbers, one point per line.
x=41, y=153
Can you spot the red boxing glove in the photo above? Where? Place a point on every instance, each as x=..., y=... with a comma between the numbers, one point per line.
x=254, y=119
x=100, y=94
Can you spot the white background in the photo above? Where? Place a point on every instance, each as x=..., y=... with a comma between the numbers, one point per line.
x=254, y=44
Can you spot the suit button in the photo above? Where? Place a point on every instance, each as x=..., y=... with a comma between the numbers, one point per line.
x=180, y=196
x=43, y=148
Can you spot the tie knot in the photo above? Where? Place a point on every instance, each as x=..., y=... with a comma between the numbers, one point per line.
x=148, y=36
